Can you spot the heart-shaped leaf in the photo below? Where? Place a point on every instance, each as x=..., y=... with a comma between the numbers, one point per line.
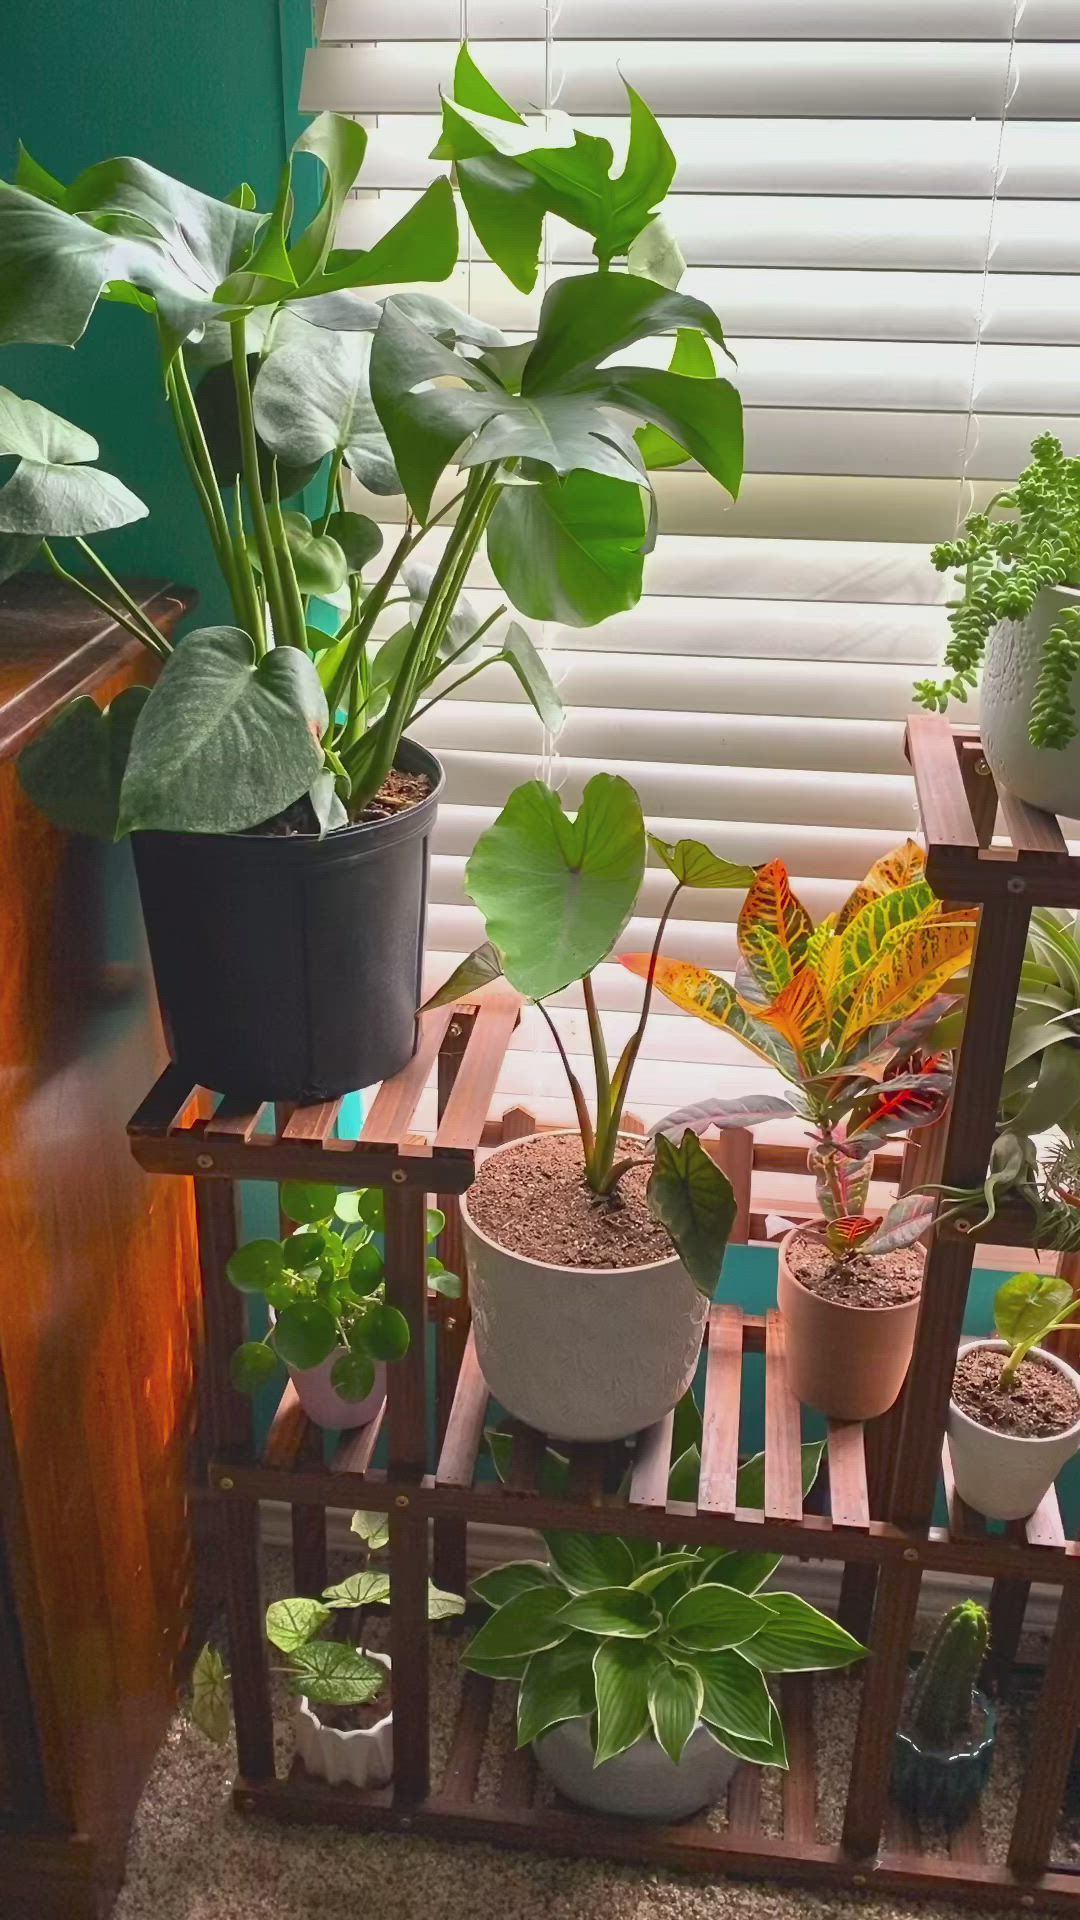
x=359, y=538
x=694, y=865
x=331, y=1674
x=290, y=1624
x=442, y=1605
x=359, y=1590
x=210, y=1696
x=372, y=1528
x=52, y=491
x=556, y=892
x=693, y=1198
x=225, y=740
x=73, y=771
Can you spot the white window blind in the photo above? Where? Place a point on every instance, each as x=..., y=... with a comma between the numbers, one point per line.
x=881, y=203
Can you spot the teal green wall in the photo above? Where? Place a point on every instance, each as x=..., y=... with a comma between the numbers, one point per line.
x=203, y=89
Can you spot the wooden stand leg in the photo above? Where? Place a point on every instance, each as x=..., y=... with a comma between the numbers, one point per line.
x=230, y=1419
x=1008, y=1605
x=452, y=1328
x=879, y=1711
x=1052, y=1741
x=406, y=1289
x=310, y=1574
x=858, y=1585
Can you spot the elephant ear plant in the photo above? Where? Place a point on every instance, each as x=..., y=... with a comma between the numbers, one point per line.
x=566, y=1237
x=277, y=369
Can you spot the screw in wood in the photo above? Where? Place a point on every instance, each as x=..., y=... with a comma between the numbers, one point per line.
x=204, y=1160
x=398, y=1177
x=454, y=1030
x=981, y=769
x=226, y=1484
x=1016, y=884
x=451, y=1323
x=858, y=1879
x=401, y=1500
x=911, y=1553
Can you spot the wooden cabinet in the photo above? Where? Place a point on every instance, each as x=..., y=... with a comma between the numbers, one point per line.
x=98, y=1310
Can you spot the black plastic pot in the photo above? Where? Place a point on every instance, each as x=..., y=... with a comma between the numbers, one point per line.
x=288, y=967
x=932, y=1783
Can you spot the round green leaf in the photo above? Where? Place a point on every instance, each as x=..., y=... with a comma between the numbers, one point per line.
x=359, y=538
x=436, y=1221
x=370, y=1209
x=619, y=1611
x=306, y=1203
x=305, y=1334
x=386, y=1332
x=253, y=1267
x=557, y=892
x=352, y=1375
x=251, y=1366
x=304, y=1250
x=1025, y=1306
x=367, y=1270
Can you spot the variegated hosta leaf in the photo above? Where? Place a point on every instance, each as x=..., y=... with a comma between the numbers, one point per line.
x=905, y=1222
x=910, y=974
x=774, y=928
x=799, y=1013
x=750, y=1111
x=710, y=997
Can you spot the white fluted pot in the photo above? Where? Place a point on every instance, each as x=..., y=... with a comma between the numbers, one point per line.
x=1047, y=777
x=363, y=1756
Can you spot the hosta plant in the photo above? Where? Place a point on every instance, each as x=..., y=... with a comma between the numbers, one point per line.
x=325, y=1286
x=650, y=1643
x=841, y=1012
x=279, y=374
x=1027, y=538
x=556, y=893
x=327, y=1672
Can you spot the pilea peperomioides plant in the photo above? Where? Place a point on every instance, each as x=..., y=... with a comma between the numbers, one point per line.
x=840, y=1011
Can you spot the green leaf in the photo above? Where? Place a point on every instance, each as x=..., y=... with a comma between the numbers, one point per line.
x=714, y=1616
x=367, y=1270
x=562, y=431
x=657, y=1575
x=736, y=1700
x=656, y=255
x=31, y=432
x=370, y=1209
x=359, y=1590
x=510, y=1669
x=50, y=492
x=693, y=1198
x=332, y=1674
x=523, y=1624
x=558, y=1685
x=312, y=398
x=523, y=659
x=500, y=1584
x=684, y=1476
x=570, y=549
x=687, y=1428
x=36, y=179
x=693, y=358
x=251, y=1366
x=750, y=1484
x=423, y=245
x=554, y=1467
x=694, y=865
x=270, y=254
x=372, y=1528
x=619, y=1611
x=359, y=538
x=506, y=209
x=442, y=1605
x=702, y=416
x=254, y=1267
x=318, y=561
x=353, y=1375
x=622, y=1672
x=305, y=1334
x=770, y=1752
x=585, y=1561
x=225, y=741
x=219, y=416
x=210, y=1696
x=1027, y=1305
x=587, y=318
x=73, y=770
x=424, y=425
x=675, y=1697
x=747, y=1571
x=386, y=1332
x=442, y=1281
x=306, y=1247
x=339, y=145
x=477, y=970
x=307, y=1204
x=290, y=1624
x=798, y=1639
x=16, y=552
x=557, y=892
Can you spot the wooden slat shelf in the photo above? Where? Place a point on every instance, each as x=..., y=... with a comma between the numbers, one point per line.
x=872, y=1510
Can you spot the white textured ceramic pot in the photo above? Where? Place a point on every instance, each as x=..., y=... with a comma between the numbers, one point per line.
x=582, y=1353
x=1047, y=777
x=364, y=1756
x=1004, y=1475
x=325, y=1406
x=643, y=1782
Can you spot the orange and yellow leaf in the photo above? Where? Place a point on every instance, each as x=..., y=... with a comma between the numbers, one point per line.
x=800, y=1014
x=900, y=868
x=710, y=997
x=909, y=974
x=774, y=928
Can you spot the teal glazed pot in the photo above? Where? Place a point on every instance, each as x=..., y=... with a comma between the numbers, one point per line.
x=934, y=1784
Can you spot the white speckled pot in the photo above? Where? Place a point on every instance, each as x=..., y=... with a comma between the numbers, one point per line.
x=364, y=1757
x=1004, y=1475
x=582, y=1353
x=1047, y=777
x=643, y=1782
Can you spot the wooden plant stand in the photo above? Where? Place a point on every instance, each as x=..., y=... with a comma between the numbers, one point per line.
x=875, y=1519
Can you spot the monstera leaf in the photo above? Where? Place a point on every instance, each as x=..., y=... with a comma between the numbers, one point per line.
x=73, y=770
x=556, y=892
x=53, y=492
x=571, y=549
x=312, y=397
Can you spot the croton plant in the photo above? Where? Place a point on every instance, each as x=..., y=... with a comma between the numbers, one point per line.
x=845, y=1012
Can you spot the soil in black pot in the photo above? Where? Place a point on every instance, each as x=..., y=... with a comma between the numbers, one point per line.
x=399, y=792
x=1041, y=1401
x=860, y=1280
x=533, y=1200
x=353, y=1719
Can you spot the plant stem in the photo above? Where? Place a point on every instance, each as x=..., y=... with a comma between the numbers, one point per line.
x=598, y=1165
x=249, y=448
x=331, y=491
x=419, y=712
x=372, y=608
x=189, y=432
x=296, y=632
x=620, y=1084
x=150, y=633
x=251, y=595
x=158, y=646
x=577, y=1091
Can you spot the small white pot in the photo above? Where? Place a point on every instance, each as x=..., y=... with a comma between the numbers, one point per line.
x=1047, y=777
x=323, y=1403
x=643, y=1782
x=364, y=1757
x=1004, y=1475
x=582, y=1353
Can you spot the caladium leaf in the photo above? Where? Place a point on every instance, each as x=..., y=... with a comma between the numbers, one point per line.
x=290, y=1624
x=330, y=1673
x=690, y=1196
x=359, y=1590
x=210, y=1696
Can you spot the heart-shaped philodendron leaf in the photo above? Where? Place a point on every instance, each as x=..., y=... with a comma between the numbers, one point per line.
x=690, y=1196
x=225, y=740
x=556, y=892
x=73, y=770
x=53, y=492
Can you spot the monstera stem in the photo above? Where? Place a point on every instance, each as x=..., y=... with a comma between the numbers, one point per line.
x=249, y=449
x=141, y=632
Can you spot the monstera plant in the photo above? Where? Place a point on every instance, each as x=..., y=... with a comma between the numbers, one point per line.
x=286, y=385
x=841, y=1011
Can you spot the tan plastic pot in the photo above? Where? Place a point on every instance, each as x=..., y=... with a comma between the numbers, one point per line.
x=847, y=1362
x=582, y=1353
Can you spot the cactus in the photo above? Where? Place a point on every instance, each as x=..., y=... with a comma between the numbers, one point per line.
x=941, y=1696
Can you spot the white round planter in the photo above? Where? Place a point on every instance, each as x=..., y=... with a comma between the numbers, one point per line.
x=324, y=1405
x=364, y=1756
x=1047, y=777
x=1004, y=1475
x=643, y=1782
x=582, y=1353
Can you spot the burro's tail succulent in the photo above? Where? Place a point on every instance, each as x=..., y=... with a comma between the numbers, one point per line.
x=942, y=1692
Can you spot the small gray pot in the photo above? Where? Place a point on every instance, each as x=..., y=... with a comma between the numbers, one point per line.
x=644, y=1782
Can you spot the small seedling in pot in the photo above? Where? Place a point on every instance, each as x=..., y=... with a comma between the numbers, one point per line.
x=943, y=1750
x=1026, y=1309
x=325, y=1285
